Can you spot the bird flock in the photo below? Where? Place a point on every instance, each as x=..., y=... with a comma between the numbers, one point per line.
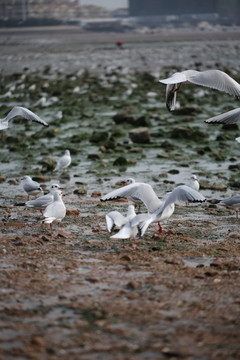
x=53, y=208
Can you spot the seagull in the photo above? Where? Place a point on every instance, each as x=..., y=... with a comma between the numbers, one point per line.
x=232, y=203
x=45, y=200
x=64, y=161
x=55, y=211
x=229, y=117
x=136, y=201
x=140, y=222
x=31, y=187
x=215, y=79
x=193, y=183
x=20, y=111
x=116, y=219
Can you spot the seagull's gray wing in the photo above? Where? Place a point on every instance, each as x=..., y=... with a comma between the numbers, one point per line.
x=215, y=79
x=182, y=193
x=179, y=77
x=26, y=113
x=229, y=117
x=28, y=187
x=233, y=201
x=141, y=191
x=42, y=201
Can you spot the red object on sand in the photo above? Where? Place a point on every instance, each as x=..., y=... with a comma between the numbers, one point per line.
x=119, y=43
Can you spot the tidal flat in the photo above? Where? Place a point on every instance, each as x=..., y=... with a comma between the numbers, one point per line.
x=79, y=294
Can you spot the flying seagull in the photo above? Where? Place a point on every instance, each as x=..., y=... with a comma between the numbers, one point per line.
x=215, y=79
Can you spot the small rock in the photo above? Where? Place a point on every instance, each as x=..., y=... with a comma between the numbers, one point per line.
x=120, y=161
x=38, y=341
x=96, y=194
x=72, y=212
x=46, y=238
x=187, y=110
x=80, y=192
x=140, y=135
x=41, y=178
x=49, y=162
x=92, y=279
x=126, y=258
x=2, y=179
x=95, y=156
x=132, y=285
x=99, y=136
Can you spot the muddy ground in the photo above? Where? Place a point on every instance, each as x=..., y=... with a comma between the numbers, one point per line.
x=79, y=294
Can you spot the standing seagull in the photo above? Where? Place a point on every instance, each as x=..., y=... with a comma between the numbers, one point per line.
x=141, y=222
x=31, y=187
x=56, y=211
x=136, y=201
x=214, y=79
x=193, y=183
x=45, y=200
x=232, y=203
x=229, y=117
x=64, y=161
x=20, y=111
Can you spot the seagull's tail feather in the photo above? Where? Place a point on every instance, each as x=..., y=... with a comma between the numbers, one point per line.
x=124, y=233
x=48, y=220
x=142, y=227
x=110, y=224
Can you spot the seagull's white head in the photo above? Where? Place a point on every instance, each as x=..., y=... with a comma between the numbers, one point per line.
x=130, y=181
x=26, y=178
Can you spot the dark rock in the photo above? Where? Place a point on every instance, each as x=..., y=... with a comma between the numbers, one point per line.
x=80, y=192
x=187, y=133
x=234, y=167
x=95, y=156
x=187, y=110
x=41, y=178
x=96, y=194
x=120, y=161
x=140, y=135
x=49, y=162
x=99, y=136
x=2, y=179
x=173, y=171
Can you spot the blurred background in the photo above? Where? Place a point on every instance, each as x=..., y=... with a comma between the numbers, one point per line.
x=120, y=15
